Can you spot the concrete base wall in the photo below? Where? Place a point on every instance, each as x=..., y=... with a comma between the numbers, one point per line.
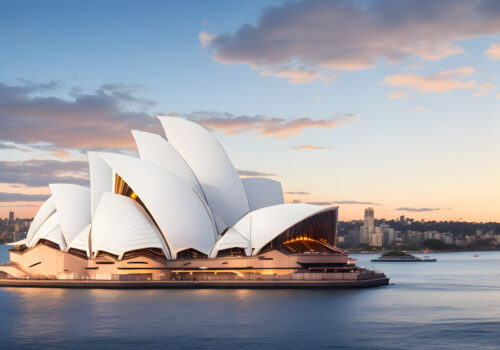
x=43, y=261
x=48, y=262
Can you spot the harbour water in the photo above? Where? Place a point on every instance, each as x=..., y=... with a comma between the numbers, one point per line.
x=453, y=303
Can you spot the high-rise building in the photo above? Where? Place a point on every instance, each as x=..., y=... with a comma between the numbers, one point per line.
x=10, y=223
x=353, y=237
x=368, y=227
x=11, y=217
x=388, y=233
x=376, y=237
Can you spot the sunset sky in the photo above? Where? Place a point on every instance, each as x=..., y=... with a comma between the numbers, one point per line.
x=391, y=104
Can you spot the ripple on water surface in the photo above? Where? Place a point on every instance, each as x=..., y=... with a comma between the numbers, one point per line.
x=451, y=304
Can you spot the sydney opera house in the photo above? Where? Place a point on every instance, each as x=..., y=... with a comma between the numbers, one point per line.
x=179, y=215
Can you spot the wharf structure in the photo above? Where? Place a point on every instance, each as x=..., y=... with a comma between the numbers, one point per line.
x=179, y=216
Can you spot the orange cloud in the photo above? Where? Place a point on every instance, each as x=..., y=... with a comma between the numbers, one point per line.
x=398, y=94
x=298, y=76
x=205, y=38
x=312, y=147
x=483, y=89
x=445, y=81
x=263, y=126
x=437, y=52
x=493, y=51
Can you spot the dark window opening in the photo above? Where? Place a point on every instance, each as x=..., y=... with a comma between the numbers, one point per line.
x=231, y=252
x=191, y=254
x=154, y=253
x=107, y=255
x=49, y=243
x=78, y=252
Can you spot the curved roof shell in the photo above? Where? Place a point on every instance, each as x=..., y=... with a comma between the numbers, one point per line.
x=212, y=167
x=231, y=239
x=269, y=222
x=122, y=225
x=45, y=210
x=262, y=192
x=81, y=241
x=49, y=230
x=176, y=208
x=101, y=179
x=56, y=236
x=157, y=150
x=73, y=208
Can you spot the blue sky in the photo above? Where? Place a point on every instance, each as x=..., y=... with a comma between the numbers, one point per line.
x=433, y=153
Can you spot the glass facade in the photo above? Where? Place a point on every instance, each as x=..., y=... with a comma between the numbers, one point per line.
x=317, y=233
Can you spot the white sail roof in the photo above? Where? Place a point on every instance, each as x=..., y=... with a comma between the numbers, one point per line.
x=73, y=208
x=101, y=179
x=56, y=236
x=121, y=225
x=231, y=239
x=267, y=223
x=176, y=208
x=212, y=167
x=262, y=192
x=49, y=230
x=45, y=210
x=261, y=226
x=156, y=149
x=81, y=241
x=20, y=242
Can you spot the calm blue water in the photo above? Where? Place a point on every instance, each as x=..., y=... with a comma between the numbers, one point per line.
x=451, y=304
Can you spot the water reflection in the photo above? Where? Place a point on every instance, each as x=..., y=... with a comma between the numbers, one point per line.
x=450, y=304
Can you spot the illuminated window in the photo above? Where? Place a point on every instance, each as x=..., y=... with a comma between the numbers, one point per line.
x=314, y=234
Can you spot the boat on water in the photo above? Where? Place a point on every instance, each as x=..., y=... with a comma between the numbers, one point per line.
x=397, y=256
x=476, y=255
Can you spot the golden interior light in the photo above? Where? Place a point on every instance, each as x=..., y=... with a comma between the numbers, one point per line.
x=301, y=238
x=133, y=195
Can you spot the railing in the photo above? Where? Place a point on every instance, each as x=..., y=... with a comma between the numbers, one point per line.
x=325, y=276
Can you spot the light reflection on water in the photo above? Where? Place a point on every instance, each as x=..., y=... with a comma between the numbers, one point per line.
x=451, y=304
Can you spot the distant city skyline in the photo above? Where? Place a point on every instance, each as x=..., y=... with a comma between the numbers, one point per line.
x=400, y=115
